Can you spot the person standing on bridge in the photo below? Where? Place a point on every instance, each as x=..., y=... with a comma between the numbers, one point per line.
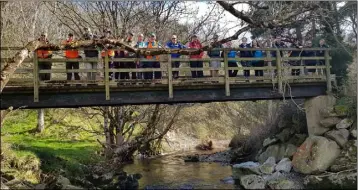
x=71, y=54
x=245, y=54
x=215, y=65
x=108, y=51
x=309, y=53
x=125, y=65
x=257, y=54
x=44, y=54
x=174, y=44
x=152, y=43
x=140, y=44
x=90, y=54
x=195, y=43
x=320, y=53
x=231, y=63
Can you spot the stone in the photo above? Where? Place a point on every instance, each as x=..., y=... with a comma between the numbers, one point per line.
x=268, y=167
x=354, y=133
x=314, y=107
x=252, y=182
x=40, y=186
x=330, y=122
x=71, y=187
x=246, y=168
x=284, y=135
x=269, y=141
x=353, y=129
x=284, y=165
x=237, y=141
x=277, y=151
x=344, y=124
x=347, y=159
x=297, y=139
x=273, y=176
x=340, y=180
x=315, y=155
x=228, y=180
x=281, y=183
x=340, y=136
x=63, y=181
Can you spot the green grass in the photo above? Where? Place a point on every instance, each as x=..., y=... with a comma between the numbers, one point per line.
x=57, y=148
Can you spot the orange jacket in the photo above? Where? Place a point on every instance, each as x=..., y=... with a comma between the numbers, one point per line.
x=110, y=53
x=153, y=45
x=71, y=53
x=43, y=53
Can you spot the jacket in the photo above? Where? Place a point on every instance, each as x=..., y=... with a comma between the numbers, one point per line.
x=153, y=45
x=278, y=45
x=257, y=54
x=196, y=45
x=321, y=53
x=90, y=53
x=72, y=54
x=245, y=53
x=231, y=54
x=109, y=52
x=44, y=53
x=215, y=53
x=178, y=45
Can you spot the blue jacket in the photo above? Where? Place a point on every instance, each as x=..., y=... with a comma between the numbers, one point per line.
x=178, y=45
x=245, y=53
x=231, y=54
x=257, y=54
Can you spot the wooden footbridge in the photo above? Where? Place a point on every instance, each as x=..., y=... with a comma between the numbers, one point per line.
x=25, y=90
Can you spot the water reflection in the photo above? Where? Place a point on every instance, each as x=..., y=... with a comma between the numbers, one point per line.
x=172, y=172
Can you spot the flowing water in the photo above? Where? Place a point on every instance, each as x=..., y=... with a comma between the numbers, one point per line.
x=171, y=172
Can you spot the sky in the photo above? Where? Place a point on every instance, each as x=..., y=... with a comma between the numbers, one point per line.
x=229, y=18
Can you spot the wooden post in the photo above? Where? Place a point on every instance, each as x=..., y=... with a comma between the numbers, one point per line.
x=36, y=78
x=226, y=69
x=279, y=71
x=328, y=71
x=170, y=76
x=106, y=75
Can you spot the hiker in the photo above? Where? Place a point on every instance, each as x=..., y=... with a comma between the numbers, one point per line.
x=140, y=44
x=296, y=53
x=44, y=54
x=90, y=54
x=71, y=54
x=195, y=43
x=322, y=44
x=108, y=51
x=309, y=53
x=125, y=65
x=215, y=65
x=152, y=43
x=232, y=63
x=245, y=54
x=174, y=44
x=257, y=54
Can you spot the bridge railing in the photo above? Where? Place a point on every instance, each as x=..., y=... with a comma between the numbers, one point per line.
x=276, y=68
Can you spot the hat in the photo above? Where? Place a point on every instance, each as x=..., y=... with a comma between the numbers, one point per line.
x=70, y=34
x=152, y=34
x=194, y=35
x=130, y=33
x=174, y=36
x=141, y=35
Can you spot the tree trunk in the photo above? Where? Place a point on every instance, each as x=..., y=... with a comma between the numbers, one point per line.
x=40, y=120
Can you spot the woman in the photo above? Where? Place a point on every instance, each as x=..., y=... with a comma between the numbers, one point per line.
x=195, y=43
x=257, y=54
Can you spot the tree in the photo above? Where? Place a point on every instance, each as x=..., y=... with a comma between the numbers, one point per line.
x=40, y=120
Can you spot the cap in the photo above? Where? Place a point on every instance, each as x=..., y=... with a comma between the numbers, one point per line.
x=70, y=34
x=194, y=35
x=141, y=35
x=174, y=37
x=130, y=33
x=152, y=34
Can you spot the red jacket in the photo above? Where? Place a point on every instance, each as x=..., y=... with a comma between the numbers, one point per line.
x=197, y=45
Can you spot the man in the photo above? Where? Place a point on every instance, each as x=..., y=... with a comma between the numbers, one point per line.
x=125, y=54
x=231, y=54
x=243, y=54
x=90, y=54
x=140, y=44
x=215, y=54
x=108, y=51
x=296, y=53
x=71, y=54
x=322, y=44
x=152, y=43
x=44, y=54
x=309, y=53
x=195, y=44
x=174, y=44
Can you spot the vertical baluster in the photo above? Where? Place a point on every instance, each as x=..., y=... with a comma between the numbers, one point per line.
x=170, y=76
x=328, y=71
x=226, y=68
x=36, y=77
x=279, y=70
x=106, y=75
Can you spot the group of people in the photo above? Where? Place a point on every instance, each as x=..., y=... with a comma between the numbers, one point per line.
x=154, y=62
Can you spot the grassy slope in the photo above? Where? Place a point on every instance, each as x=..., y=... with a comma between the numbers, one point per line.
x=55, y=149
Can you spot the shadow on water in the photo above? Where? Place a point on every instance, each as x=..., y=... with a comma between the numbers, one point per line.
x=171, y=172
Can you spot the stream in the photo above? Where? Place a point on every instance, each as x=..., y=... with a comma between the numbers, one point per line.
x=171, y=172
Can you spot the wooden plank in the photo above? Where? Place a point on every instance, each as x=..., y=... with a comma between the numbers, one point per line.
x=106, y=76
x=55, y=60
x=36, y=78
x=26, y=60
x=328, y=72
x=170, y=76
x=227, y=82
x=279, y=71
